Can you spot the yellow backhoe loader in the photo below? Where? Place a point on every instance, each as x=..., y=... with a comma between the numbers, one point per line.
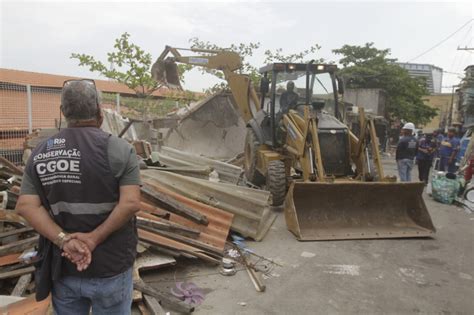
x=329, y=180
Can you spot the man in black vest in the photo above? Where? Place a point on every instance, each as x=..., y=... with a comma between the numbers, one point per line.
x=81, y=191
x=406, y=152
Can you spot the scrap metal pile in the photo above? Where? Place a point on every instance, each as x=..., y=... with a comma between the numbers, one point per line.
x=189, y=206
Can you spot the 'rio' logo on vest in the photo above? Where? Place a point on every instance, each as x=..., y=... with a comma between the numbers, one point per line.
x=55, y=143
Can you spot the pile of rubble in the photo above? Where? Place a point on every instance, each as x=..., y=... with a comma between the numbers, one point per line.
x=190, y=204
x=17, y=244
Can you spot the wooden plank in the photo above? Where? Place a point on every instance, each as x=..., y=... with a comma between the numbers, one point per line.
x=18, y=246
x=166, y=242
x=21, y=285
x=166, y=226
x=153, y=305
x=16, y=231
x=27, y=306
x=144, y=206
x=166, y=299
x=172, y=205
x=11, y=216
x=16, y=273
x=136, y=295
x=185, y=240
x=12, y=167
x=150, y=261
x=142, y=308
x=10, y=259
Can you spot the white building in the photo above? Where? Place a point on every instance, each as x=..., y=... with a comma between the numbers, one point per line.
x=433, y=74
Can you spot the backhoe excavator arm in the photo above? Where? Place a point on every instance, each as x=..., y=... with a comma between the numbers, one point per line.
x=246, y=99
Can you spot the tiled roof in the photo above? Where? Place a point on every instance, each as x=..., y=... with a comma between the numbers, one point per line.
x=56, y=81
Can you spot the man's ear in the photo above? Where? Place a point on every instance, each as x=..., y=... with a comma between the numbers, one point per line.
x=100, y=117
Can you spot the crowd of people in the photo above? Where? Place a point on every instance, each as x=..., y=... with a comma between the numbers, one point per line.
x=430, y=148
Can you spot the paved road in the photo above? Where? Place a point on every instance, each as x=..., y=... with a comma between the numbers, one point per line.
x=406, y=276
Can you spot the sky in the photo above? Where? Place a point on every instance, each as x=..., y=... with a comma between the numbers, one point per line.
x=41, y=35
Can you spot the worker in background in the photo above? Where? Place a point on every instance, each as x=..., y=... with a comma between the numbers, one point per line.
x=289, y=98
x=81, y=191
x=448, y=149
x=438, y=138
x=424, y=157
x=406, y=151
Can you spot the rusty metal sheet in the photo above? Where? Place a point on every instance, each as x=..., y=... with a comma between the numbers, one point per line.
x=215, y=233
x=250, y=207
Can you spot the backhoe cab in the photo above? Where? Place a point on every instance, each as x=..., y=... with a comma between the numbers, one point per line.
x=297, y=99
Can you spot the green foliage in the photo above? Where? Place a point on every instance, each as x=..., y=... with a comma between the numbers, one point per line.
x=301, y=57
x=369, y=67
x=131, y=66
x=244, y=51
x=247, y=50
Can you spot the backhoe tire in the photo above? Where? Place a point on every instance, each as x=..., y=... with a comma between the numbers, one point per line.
x=276, y=182
x=250, y=162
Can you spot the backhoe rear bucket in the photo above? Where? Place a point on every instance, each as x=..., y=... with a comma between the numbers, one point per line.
x=356, y=210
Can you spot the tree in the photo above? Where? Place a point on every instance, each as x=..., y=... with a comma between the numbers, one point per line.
x=131, y=66
x=247, y=50
x=369, y=67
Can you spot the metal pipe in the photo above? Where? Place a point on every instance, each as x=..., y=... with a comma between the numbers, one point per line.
x=308, y=67
x=30, y=111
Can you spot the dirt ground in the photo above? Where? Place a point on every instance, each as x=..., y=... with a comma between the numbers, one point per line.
x=405, y=276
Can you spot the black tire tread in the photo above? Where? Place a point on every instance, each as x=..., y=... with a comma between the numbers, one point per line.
x=276, y=181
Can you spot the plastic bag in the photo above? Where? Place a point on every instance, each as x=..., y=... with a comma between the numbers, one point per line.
x=444, y=189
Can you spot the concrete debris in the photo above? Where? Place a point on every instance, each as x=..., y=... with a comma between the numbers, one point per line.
x=211, y=128
x=307, y=255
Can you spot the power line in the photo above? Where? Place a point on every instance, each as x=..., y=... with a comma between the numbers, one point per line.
x=441, y=42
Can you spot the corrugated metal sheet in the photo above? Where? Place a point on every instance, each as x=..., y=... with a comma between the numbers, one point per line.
x=251, y=207
x=172, y=157
x=215, y=233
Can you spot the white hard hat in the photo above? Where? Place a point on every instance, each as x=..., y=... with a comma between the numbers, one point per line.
x=409, y=126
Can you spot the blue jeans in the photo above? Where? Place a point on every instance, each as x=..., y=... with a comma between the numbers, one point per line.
x=444, y=165
x=74, y=295
x=404, y=169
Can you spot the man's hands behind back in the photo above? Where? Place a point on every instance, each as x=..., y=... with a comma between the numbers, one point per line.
x=78, y=253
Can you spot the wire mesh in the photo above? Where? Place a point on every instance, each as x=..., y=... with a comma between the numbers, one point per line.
x=16, y=118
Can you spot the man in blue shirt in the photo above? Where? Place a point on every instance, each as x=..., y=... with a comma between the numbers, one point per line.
x=424, y=157
x=448, y=150
x=406, y=151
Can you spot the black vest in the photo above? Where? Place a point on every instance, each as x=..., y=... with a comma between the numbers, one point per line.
x=406, y=148
x=73, y=175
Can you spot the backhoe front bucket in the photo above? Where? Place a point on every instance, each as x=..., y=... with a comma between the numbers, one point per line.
x=356, y=210
x=166, y=73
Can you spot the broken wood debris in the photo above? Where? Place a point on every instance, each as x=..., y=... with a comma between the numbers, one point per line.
x=173, y=205
x=166, y=299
